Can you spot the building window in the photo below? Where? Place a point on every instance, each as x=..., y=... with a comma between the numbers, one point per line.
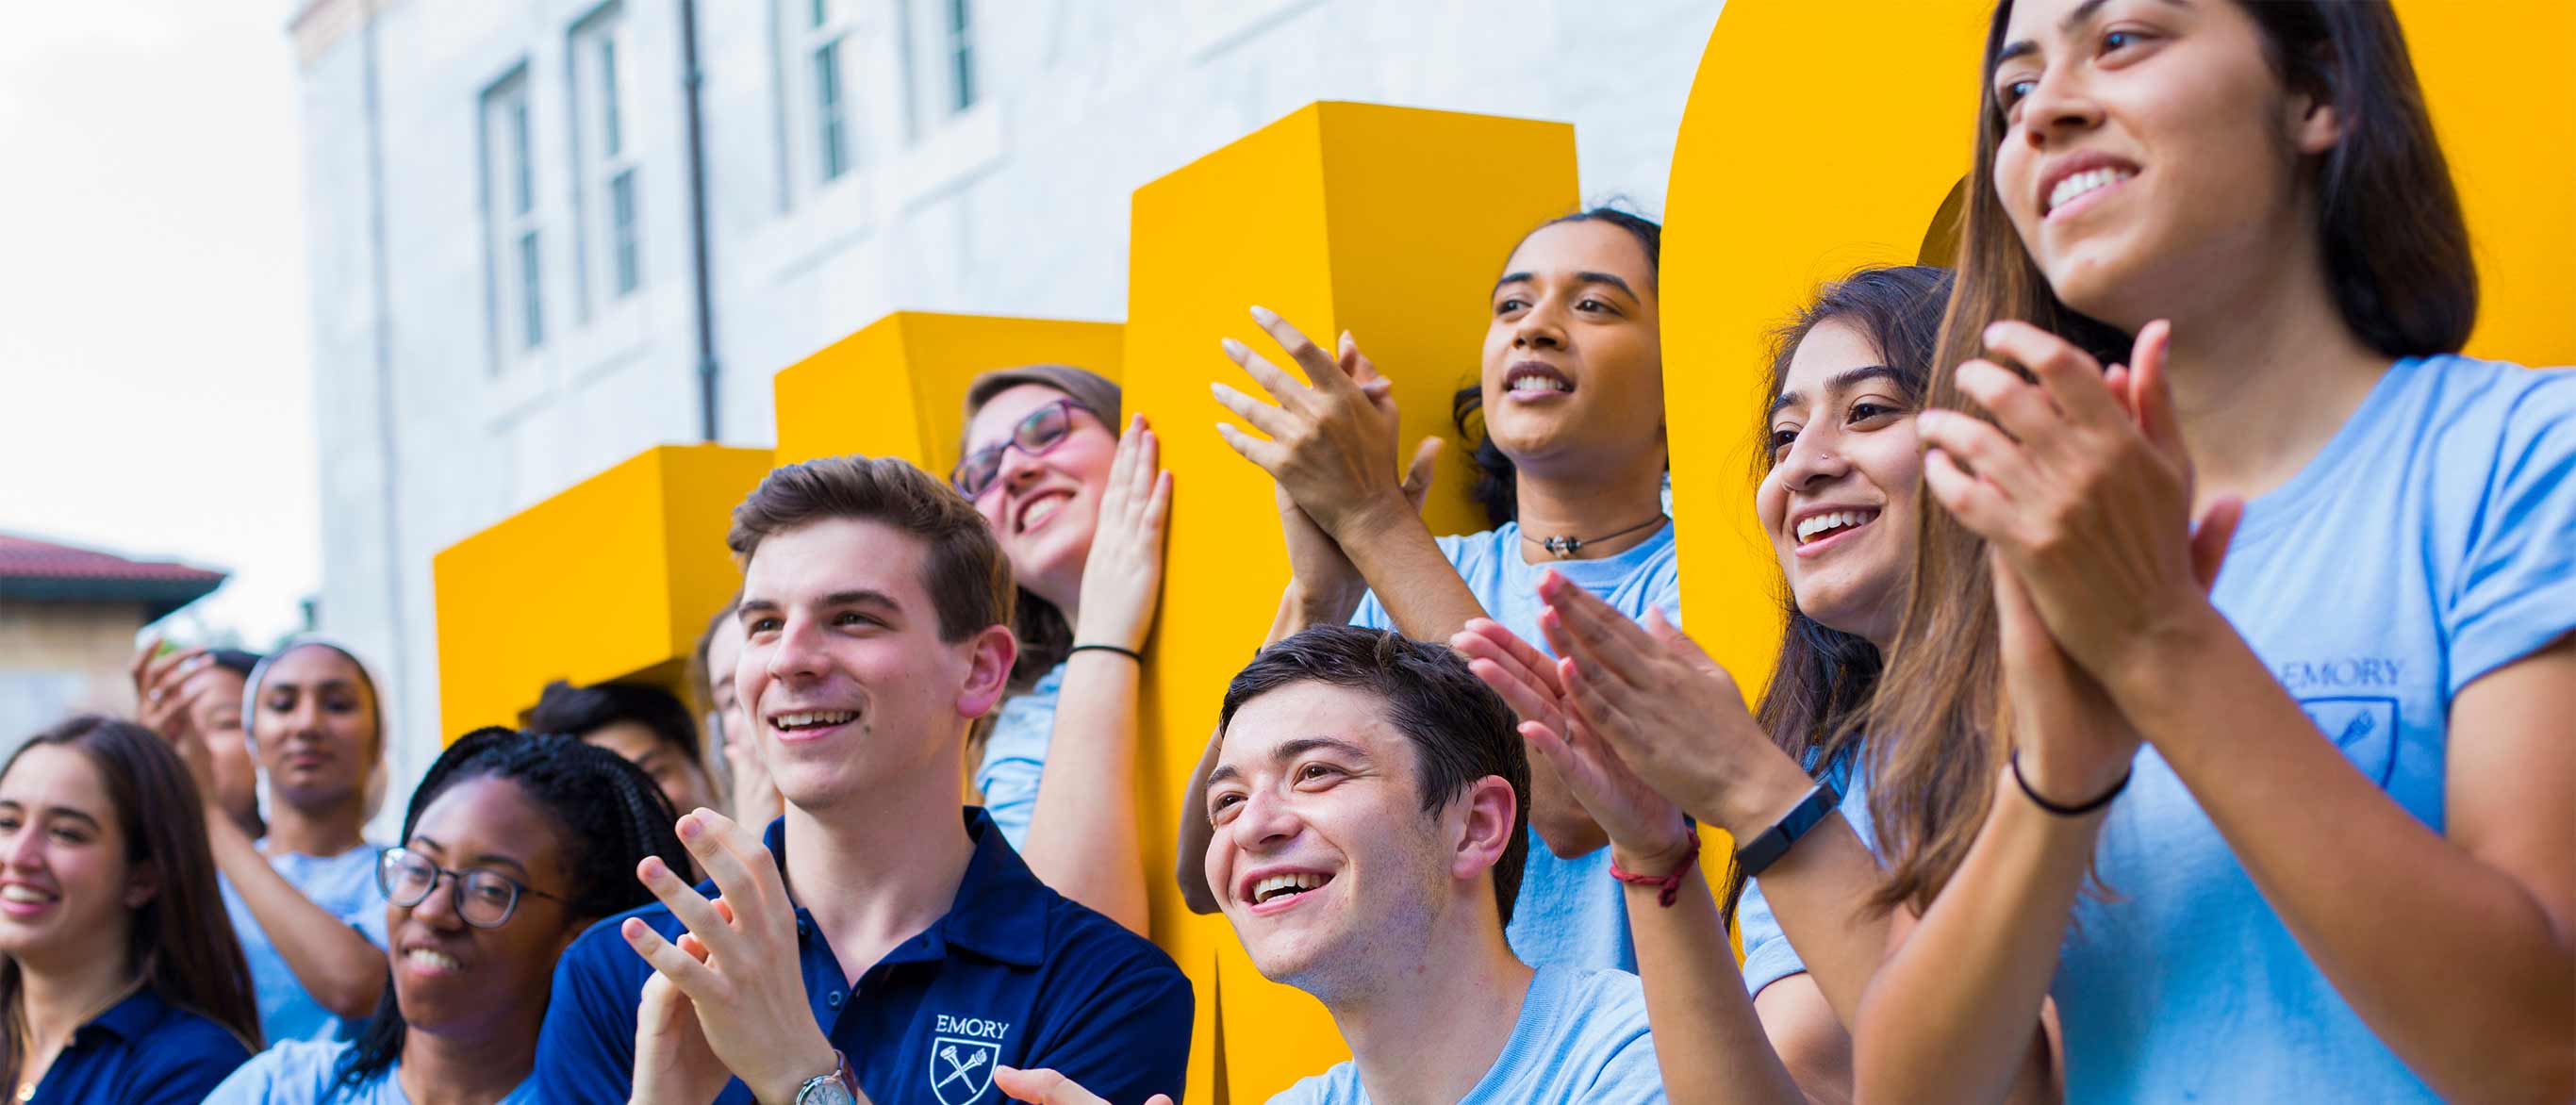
x=820, y=47
x=605, y=157
x=516, y=244
x=961, y=57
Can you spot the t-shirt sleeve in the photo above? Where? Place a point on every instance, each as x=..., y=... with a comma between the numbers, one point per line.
x=1009, y=779
x=2517, y=590
x=1130, y=1040
x=586, y=1052
x=1768, y=958
x=1628, y=1074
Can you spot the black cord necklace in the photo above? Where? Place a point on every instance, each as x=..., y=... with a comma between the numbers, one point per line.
x=1564, y=546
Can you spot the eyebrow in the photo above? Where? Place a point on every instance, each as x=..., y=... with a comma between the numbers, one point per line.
x=1840, y=381
x=1290, y=750
x=1584, y=277
x=2066, y=28
x=487, y=859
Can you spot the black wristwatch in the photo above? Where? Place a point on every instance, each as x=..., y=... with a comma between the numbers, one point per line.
x=1766, y=848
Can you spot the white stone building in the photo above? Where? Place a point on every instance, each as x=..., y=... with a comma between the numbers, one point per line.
x=499, y=198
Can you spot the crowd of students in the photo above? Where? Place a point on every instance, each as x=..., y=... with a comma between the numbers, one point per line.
x=2139, y=573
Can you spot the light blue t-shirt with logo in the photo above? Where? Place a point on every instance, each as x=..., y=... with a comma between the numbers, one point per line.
x=1569, y=911
x=1015, y=755
x=1581, y=1039
x=306, y=1072
x=2431, y=542
x=344, y=886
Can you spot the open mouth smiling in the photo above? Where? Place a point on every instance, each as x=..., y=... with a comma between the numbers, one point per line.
x=1815, y=529
x=1265, y=893
x=1536, y=380
x=2072, y=184
x=1037, y=509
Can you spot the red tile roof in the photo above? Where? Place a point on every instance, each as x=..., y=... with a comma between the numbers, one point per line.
x=28, y=558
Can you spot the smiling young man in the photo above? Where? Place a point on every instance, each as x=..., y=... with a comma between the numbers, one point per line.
x=1367, y=796
x=877, y=946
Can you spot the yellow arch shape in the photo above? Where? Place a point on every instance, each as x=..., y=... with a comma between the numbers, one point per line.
x=1823, y=137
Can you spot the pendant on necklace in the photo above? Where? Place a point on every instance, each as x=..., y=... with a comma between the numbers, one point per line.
x=1562, y=547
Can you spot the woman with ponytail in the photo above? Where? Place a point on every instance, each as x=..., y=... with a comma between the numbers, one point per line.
x=513, y=845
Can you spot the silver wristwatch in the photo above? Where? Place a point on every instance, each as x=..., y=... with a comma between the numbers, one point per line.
x=839, y=1087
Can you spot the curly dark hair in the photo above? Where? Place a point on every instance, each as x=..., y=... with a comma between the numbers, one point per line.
x=612, y=816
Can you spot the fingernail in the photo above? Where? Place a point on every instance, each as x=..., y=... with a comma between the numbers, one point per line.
x=1993, y=329
x=1234, y=348
x=689, y=827
x=1264, y=315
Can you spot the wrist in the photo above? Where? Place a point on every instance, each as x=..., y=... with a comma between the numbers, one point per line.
x=1658, y=855
x=821, y=1059
x=1313, y=605
x=1373, y=514
x=1759, y=798
x=2155, y=661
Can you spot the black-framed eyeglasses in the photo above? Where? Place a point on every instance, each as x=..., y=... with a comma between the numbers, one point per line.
x=482, y=897
x=1043, y=429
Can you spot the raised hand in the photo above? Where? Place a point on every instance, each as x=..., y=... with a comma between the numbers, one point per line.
x=1046, y=1087
x=749, y=991
x=1669, y=710
x=1646, y=829
x=1123, y=577
x=673, y=1061
x=1328, y=584
x=160, y=682
x=2082, y=483
x=1332, y=440
x=2072, y=742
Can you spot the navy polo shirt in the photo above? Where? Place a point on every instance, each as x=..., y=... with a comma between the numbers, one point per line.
x=1015, y=974
x=142, y=1050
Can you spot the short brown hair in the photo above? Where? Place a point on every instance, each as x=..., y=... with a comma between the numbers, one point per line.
x=963, y=568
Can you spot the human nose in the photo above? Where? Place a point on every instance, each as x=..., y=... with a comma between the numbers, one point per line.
x=2058, y=107
x=24, y=850
x=1266, y=821
x=438, y=908
x=1541, y=327
x=1813, y=460
x=798, y=651
x=1019, y=468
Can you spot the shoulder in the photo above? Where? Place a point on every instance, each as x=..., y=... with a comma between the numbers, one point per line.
x=1084, y=946
x=1337, y=1085
x=1608, y=1044
x=183, y=1049
x=2490, y=403
x=1605, y=997
x=600, y=956
x=297, y=1070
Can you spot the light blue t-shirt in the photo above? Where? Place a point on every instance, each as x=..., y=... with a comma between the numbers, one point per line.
x=303, y=1072
x=1569, y=911
x=2432, y=541
x=1581, y=1038
x=1768, y=958
x=344, y=886
x=1015, y=757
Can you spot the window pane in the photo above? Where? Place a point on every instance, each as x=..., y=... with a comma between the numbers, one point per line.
x=621, y=214
x=612, y=139
x=524, y=198
x=532, y=309
x=961, y=48
x=834, y=152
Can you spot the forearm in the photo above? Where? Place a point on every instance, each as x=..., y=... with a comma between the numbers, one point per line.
x=1082, y=838
x=1710, y=1045
x=2405, y=922
x=1819, y=891
x=1190, y=865
x=1954, y=1013
x=333, y=962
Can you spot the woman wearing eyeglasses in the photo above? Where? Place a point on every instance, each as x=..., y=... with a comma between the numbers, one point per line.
x=1079, y=510
x=513, y=845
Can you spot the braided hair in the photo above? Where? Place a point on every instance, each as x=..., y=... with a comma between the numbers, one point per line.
x=612, y=816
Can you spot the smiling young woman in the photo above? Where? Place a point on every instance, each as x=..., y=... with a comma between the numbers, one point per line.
x=2336, y=781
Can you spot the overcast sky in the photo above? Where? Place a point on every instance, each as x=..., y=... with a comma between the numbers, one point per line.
x=155, y=375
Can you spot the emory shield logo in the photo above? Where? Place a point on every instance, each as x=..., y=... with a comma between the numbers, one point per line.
x=961, y=1069
x=2365, y=727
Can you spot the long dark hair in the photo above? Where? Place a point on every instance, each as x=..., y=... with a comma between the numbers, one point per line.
x=1497, y=480
x=1822, y=681
x=181, y=942
x=2396, y=252
x=612, y=817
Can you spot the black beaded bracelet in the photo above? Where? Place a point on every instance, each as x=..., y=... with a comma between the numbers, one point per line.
x=1129, y=653
x=2063, y=810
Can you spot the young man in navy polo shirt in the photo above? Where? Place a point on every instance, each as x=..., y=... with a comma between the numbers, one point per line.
x=874, y=947
x=1368, y=796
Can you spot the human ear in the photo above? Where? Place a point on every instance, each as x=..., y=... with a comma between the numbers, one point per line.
x=990, y=654
x=142, y=885
x=2311, y=116
x=1488, y=827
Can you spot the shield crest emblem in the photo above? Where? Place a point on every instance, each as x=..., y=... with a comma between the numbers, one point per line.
x=961, y=1069
x=2365, y=727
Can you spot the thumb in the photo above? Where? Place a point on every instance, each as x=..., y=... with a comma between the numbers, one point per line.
x=1425, y=467
x=2210, y=537
x=2151, y=389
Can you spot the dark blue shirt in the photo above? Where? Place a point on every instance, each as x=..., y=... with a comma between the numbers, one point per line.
x=1015, y=974
x=140, y=1051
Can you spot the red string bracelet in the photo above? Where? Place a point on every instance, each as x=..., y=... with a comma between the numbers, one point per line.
x=1670, y=884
